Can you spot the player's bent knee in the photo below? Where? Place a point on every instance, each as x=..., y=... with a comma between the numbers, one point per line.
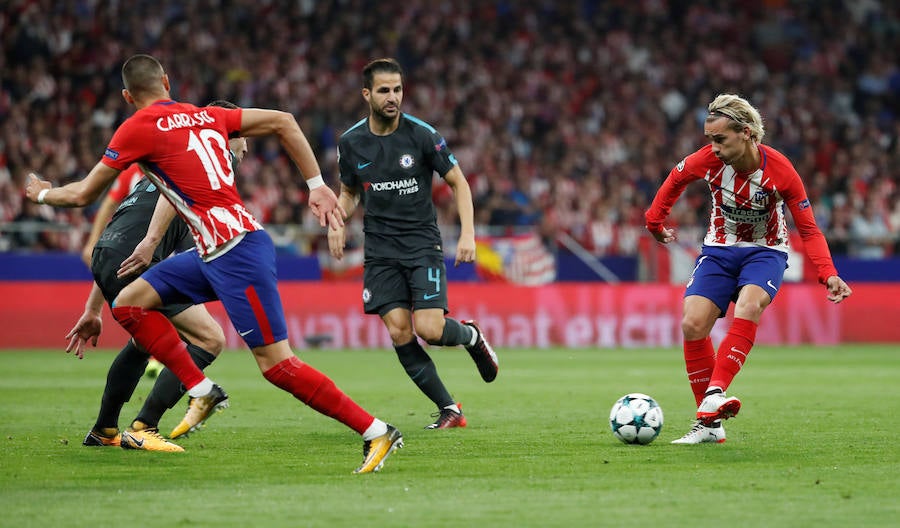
x=430, y=325
x=431, y=334
x=138, y=293
x=401, y=336
x=214, y=344
x=267, y=356
x=694, y=328
x=201, y=329
x=213, y=338
x=751, y=312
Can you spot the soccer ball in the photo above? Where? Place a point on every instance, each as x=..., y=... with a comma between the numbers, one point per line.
x=636, y=419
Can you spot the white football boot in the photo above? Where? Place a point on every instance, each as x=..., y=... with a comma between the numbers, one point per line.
x=717, y=406
x=700, y=434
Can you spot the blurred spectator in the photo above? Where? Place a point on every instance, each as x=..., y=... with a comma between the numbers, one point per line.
x=870, y=233
x=30, y=229
x=565, y=114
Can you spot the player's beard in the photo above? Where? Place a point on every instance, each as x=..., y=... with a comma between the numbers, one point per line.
x=383, y=118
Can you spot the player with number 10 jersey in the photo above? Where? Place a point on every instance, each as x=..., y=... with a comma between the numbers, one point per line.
x=201, y=184
x=184, y=150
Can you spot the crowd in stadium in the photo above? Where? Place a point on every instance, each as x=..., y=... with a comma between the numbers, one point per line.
x=565, y=116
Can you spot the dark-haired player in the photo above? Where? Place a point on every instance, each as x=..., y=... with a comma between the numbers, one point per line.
x=184, y=150
x=113, y=241
x=204, y=336
x=387, y=161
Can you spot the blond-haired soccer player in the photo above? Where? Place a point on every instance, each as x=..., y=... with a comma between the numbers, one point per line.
x=744, y=254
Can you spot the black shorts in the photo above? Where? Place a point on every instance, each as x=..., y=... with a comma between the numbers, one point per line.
x=414, y=284
x=104, y=265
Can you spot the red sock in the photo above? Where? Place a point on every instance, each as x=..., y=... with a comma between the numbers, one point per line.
x=318, y=391
x=733, y=352
x=158, y=337
x=699, y=359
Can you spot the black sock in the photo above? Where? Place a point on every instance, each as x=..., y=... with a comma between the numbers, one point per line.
x=714, y=391
x=455, y=333
x=123, y=376
x=420, y=368
x=168, y=389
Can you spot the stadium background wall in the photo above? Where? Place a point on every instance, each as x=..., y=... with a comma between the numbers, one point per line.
x=63, y=266
x=37, y=314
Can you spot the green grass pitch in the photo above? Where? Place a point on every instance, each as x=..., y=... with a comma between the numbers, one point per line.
x=816, y=444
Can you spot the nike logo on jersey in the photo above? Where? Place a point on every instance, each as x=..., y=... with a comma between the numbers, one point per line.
x=245, y=332
x=361, y=166
x=429, y=296
x=770, y=285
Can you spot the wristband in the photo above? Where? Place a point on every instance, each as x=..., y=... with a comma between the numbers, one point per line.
x=315, y=182
x=41, y=195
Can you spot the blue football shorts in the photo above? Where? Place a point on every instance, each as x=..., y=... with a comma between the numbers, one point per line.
x=244, y=279
x=721, y=271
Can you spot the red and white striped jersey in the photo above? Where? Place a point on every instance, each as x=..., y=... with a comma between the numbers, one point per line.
x=747, y=208
x=183, y=149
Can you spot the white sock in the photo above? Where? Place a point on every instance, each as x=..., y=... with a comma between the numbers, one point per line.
x=375, y=430
x=712, y=388
x=201, y=389
x=454, y=408
x=474, y=336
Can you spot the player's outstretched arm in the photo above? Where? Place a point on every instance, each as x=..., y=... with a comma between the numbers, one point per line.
x=666, y=196
x=465, y=247
x=337, y=240
x=75, y=194
x=324, y=204
x=322, y=200
x=664, y=235
x=89, y=325
x=838, y=290
x=337, y=236
x=263, y=122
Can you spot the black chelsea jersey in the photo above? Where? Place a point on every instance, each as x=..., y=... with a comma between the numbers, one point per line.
x=129, y=224
x=393, y=175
